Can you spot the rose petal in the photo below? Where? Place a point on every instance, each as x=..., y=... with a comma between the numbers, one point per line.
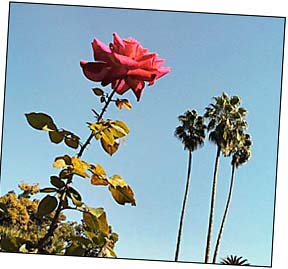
x=160, y=73
x=118, y=41
x=163, y=71
x=124, y=60
x=114, y=73
x=137, y=86
x=122, y=86
x=95, y=71
x=101, y=51
x=142, y=74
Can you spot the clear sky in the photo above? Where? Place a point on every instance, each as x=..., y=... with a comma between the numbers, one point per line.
x=208, y=54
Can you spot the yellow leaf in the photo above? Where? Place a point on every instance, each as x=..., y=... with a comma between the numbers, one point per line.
x=97, y=129
x=123, y=103
x=79, y=167
x=108, y=136
x=96, y=219
x=97, y=170
x=117, y=131
x=123, y=195
x=117, y=181
x=98, y=180
x=59, y=163
x=121, y=191
x=121, y=124
x=110, y=149
x=99, y=176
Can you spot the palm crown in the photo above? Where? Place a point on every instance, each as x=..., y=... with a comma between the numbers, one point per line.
x=226, y=122
x=191, y=132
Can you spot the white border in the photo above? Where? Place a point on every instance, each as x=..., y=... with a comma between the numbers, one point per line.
x=251, y=7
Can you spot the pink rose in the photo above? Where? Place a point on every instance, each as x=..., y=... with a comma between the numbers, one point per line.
x=125, y=64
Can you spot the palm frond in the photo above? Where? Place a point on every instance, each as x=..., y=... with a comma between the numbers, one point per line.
x=234, y=260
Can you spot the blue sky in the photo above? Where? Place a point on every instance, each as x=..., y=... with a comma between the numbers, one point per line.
x=208, y=54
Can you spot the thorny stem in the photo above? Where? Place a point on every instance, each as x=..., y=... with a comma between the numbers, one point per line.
x=88, y=141
x=44, y=241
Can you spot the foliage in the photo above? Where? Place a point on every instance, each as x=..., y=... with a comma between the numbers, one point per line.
x=234, y=260
x=21, y=227
x=226, y=122
x=191, y=132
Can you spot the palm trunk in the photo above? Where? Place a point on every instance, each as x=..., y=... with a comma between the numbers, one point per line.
x=225, y=214
x=212, y=206
x=183, y=206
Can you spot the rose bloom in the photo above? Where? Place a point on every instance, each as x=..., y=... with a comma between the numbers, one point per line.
x=125, y=64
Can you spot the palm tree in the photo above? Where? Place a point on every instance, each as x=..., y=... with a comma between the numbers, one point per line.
x=223, y=116
x=234, y=260
x=241, y=155
x=191, y=133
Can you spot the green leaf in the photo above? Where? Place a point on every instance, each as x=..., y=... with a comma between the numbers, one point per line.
x=91, y=221
x=74, y=193
x=75, y=249
x=62, y=161
x=99, y=240
x=72, y=142
x=56, y=137
x=75, y=201
x=47, y=205
x=41, y=121
x=9, y=244
x=57, y=182
x=121, y=191
x=84, y=241
x=100, y=214
x=98, y=91
x=90, y=235
x=48, y=190
x=65, y=174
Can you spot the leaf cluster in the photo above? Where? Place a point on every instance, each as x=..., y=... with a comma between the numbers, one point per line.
x=120, y=190
x=42, y=121
x=109, y=132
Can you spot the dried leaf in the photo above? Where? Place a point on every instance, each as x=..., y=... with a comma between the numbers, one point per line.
x=123, y=103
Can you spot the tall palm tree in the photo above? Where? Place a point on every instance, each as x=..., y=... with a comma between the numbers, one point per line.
x=191, y=133
x=241, y=155
x=223, y=117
